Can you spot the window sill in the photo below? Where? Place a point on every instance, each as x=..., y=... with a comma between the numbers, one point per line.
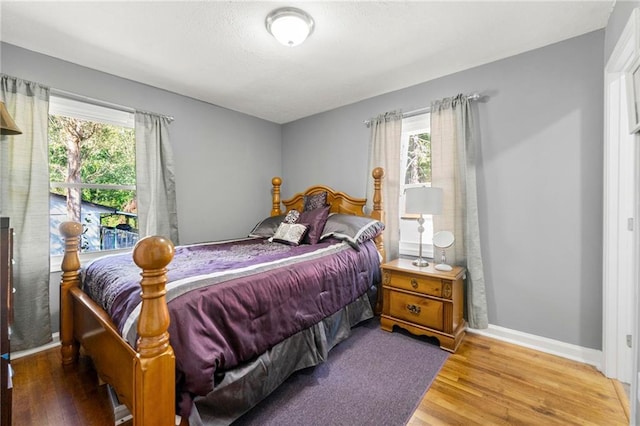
x=85, y=258
x=408, y=248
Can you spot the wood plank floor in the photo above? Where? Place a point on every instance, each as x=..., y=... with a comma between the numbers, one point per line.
x=492, y=382
x=485, y=382
x=45, y=393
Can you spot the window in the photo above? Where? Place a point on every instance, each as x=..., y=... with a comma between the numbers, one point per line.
x=92, y=174
x=416, y=171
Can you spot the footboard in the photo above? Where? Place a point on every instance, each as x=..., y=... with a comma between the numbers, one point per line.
x=144, y=378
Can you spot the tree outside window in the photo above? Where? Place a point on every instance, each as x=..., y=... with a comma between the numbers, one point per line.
x=92, y=180
x=418, y=168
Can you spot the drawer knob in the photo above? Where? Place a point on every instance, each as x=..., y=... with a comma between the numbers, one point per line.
x=414, y=283
x=413, y=309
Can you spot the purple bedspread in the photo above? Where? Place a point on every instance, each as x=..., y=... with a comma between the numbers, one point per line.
x=230, y=302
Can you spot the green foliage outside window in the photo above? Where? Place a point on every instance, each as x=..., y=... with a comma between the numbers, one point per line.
x=106, y=156
x=418, y=159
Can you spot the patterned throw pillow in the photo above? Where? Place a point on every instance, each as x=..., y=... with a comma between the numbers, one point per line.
x=290, y=233
x=315, y=201
x=292, y=216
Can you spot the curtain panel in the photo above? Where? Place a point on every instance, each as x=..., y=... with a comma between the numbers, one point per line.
x=156, y=189
x=454, y=139
x=24, y=198
x=384, y=151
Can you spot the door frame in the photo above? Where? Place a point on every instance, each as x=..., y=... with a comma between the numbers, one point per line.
x=620, y=244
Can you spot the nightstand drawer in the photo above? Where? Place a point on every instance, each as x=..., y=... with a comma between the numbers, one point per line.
x=415, y=309
x=412, y=282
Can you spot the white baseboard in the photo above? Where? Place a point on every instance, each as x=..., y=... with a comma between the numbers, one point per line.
x=543, y=344
x=54, y=343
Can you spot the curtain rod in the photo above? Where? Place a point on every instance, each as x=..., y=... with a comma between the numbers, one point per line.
x=424, y=110
x=98, y=102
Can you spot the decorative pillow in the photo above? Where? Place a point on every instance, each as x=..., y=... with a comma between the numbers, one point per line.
x=290, y=233
x=316, y=219
x=292, y=216
x=267, y=227
x=315, y=201
x=352, y=229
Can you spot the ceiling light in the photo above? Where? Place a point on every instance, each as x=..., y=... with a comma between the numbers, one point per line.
x=290, y=26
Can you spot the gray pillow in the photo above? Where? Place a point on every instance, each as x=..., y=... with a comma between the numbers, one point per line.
x=352, y=229
x=267, y=227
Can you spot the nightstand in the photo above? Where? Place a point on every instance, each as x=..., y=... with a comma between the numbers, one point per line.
x=424, y=301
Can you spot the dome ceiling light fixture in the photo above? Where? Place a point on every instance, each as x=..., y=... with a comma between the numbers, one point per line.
x=289, y=25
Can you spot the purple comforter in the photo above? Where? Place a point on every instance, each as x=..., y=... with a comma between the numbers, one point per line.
x=230, y=302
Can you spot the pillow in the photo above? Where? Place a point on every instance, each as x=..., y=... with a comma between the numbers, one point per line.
x=267, y=227
x=316, y=219
x=292, y=216
x=315, y=201
x=290, y=233
x=352, y=229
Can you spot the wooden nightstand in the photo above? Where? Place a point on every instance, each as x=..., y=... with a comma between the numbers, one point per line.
x=424, y=301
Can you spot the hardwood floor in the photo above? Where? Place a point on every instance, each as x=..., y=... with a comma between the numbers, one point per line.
x=492, y=382
x=485, y=382
x=45, y=393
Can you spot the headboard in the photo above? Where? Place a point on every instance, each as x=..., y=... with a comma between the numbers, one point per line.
x=339, y=201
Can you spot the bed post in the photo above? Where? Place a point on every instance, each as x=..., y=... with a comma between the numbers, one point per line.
x=378, y=210
x=154, y=375
x=71, y=232
x=275, y=196
x=378, y=213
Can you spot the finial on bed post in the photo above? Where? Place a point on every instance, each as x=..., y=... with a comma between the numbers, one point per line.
x=378, y=210
x=152, y=255
x=71, y=232
x=156, y=361
x=275, y=196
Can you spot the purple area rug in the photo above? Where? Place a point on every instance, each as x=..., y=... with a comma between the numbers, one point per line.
x=372, y=378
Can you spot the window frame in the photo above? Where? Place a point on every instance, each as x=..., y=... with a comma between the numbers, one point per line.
x=410, y=239
x=61, y=104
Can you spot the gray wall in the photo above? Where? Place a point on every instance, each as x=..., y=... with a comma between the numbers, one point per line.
x=539, y=175
x=221, y=156
x=539, y=179
x=224, y=160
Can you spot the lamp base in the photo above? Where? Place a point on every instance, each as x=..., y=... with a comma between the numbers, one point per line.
x=420, y=262
x=443, y=267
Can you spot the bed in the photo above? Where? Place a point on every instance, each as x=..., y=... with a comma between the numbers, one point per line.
x=135, y=340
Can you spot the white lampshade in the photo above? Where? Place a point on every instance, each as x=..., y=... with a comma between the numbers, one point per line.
x=290, y=26
x=423, y=200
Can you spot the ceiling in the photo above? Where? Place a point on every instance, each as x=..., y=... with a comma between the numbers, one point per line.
x=221, y=53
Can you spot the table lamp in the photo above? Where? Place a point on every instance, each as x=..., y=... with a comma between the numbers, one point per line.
x=422, y=200
x=7, y=125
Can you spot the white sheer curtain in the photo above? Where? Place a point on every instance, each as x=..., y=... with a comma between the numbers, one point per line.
x=386, y=133
x=24, y=163
x=156, y=189
x=454, y=139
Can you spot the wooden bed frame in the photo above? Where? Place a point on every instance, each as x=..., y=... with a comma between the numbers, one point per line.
x=144, y=377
